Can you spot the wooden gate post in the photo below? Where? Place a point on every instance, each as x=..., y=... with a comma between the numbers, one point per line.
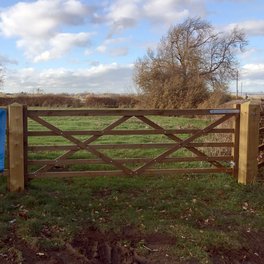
x=16, y=180
x=248, y=142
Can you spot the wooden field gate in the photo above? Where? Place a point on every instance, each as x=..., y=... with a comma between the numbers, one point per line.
x=243, y=123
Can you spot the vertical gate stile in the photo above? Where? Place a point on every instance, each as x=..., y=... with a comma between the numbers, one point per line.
x=25, y=131
x=235, y=149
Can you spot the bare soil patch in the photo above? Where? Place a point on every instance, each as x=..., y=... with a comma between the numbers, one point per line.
x=91, y=246
x=251, y=253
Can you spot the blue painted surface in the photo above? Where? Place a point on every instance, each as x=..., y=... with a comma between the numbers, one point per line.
x=2, y=138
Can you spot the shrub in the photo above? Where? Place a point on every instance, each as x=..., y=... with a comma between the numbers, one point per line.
x=115, y=101
x=47, y=100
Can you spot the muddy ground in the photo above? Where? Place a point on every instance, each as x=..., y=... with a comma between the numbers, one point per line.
x=92, y=246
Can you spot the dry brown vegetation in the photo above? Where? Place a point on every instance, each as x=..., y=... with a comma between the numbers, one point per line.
x=108, y=101
x=64, y=100
x=191, y=62
x=47, y=100
x=214, y=99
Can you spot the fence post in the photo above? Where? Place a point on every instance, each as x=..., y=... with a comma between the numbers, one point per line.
x=16, y=181
x=248, y=142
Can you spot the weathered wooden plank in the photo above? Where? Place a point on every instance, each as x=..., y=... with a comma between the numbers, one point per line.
x=129, y=132
x=129, y=112
x=121, y=173
x=130, y=146
x=127, y=160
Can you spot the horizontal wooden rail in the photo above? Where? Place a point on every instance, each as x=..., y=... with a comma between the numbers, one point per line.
x=121, y=173
x=93, y=145
x=136, y=112
x=261, y=130
x=128, y=132
x=127, y=160
x=129, y=146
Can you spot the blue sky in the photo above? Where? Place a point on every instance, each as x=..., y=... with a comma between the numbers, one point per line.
x=76, y=46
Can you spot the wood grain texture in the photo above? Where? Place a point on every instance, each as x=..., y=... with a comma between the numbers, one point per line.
x=16, y=180
x=248, y=143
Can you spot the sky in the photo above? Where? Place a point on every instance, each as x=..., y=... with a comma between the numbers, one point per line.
x=77, y=46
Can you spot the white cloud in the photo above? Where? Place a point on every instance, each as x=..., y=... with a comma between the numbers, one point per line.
x=99, y=78
x=110, y=45
x=5, y=60
x=253, y=71
x=42, y=18
x=248, y=53
x=122, y=14
x=102, y=48
x=118, y=52
x=38, y=25
x=61, y=44
x=251, y=27
x=121, y=9
x=166, y=11
x=252, y=77
x=88, y=52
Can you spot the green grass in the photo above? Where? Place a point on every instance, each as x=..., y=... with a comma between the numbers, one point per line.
x=200, y=211
x=98, y=123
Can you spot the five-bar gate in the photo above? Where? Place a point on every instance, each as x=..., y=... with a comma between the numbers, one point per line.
x=193, y=140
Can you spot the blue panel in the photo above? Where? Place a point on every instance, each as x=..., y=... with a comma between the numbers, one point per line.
x=2, y=138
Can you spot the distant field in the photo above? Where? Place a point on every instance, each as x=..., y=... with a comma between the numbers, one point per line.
x=250, y=95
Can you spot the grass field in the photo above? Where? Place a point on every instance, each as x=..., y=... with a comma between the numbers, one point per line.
x=98, y=123
x=162, y=219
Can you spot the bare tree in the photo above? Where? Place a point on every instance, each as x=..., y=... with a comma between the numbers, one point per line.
x=189, y=62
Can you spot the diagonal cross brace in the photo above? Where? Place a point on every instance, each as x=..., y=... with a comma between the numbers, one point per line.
x=182, y=144
x=83, y=145
x=177, y=139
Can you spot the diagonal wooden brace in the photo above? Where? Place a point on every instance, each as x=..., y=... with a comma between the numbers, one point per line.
x=177, y=139
x=83, y=145
x=181, y=144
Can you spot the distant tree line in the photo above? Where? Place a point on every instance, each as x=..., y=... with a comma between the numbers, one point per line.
x=64, y=100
